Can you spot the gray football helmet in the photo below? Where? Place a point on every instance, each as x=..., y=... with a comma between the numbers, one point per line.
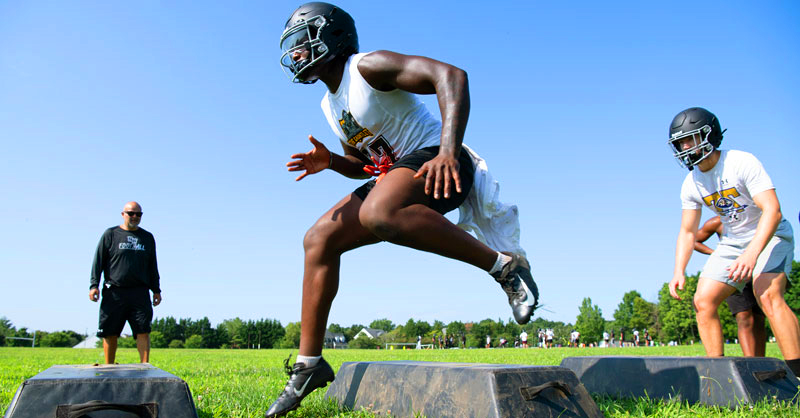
x=703, y=128
x=315, y=34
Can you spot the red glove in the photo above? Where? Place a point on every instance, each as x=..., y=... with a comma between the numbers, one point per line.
x=380, y=168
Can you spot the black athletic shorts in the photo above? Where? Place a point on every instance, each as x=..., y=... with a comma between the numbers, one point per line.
x=125, y=304
x=415, y=160
x=744, y=301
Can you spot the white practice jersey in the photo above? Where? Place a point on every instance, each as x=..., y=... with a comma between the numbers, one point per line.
x=393, y=123
x=728, y=190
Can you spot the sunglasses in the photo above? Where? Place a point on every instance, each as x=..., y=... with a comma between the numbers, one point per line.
x=139, y=214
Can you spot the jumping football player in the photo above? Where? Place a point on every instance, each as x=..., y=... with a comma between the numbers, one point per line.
x=423, y=172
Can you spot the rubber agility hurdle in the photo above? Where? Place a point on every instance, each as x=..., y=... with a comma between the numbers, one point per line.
x=720, y=381
x=406, y=388
x=118, y=391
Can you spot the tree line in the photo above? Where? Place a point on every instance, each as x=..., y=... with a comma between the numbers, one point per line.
x=666, y=320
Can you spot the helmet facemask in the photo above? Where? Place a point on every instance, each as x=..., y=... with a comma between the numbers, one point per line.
x=692, y=156
x=303, y=39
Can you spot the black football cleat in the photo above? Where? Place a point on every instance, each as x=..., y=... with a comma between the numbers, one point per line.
x=302, y=381
x=517, y=282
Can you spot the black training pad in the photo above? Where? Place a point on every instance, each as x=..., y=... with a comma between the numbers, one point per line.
x=128, y=384
x=406, y=388
x=721, y=381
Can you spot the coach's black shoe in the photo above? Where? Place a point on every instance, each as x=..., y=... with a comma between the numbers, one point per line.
x=302, y=381
x=517, y=282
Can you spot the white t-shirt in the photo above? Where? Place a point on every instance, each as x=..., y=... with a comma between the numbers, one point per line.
x=377, y=122
x=728, y=190
x=523, y=336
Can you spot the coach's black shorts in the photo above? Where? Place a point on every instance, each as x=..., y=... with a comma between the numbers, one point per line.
x=121, y=304
x=744, y=301
x=415, y=160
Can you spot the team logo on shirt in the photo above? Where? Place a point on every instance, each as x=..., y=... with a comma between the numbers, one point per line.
x=354, y=132
x=132, y=244
x=724, y=203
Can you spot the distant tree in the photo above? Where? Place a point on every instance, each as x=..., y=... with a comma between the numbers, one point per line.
x=561, y=333
x=59, y=339
x=511, y=330
x=590, y=322
x=364, y=342
x=473, y=341
x=383, y=324
x=438, y=325
x=792, y=294
x=176, y=344
x=218, y=338
x=678, y=322
x=624, y=312
x=6, y=329
x=201, y=327
x=21, y=333
x=194, y=341
x=264, y=333
x=235, y=329
x=292, y=337
x=412, y=329
x=677, y=319
x=126, y=342
x=336, y=328
x=456, y=328
x=476, y=335
x=157, y=340
x=644, y=315
x=168, y=327
x=728, y=321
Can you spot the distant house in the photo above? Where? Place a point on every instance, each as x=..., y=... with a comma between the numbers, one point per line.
x=370, y=332
x=335, y=340
x=89, y=342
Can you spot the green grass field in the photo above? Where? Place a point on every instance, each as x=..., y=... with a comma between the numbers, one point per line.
x=243, y=383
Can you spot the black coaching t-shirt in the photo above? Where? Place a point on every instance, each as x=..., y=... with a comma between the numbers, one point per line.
x=126, y=259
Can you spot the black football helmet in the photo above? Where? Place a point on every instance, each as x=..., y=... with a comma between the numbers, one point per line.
x=315, y=34
x=703, y=127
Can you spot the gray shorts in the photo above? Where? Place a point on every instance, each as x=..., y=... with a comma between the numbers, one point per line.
x=777, y=257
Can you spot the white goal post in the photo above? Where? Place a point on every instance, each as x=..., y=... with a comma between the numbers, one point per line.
x=32, y=340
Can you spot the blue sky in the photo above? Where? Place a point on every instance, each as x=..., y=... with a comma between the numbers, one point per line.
x=183, y=107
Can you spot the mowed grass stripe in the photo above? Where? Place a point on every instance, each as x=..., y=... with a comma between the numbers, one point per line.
x=243, y=383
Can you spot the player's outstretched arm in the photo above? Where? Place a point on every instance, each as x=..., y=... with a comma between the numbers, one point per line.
x=320, y=158
x=690, y=219
x=385, y=70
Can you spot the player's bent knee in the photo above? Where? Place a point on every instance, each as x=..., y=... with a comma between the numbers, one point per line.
x=378, y=221
x=771, y=300
x=318, y=237
x=703, y=305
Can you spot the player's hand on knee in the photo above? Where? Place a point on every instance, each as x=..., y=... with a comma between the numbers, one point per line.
x=440, y=174
x=742, y=268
